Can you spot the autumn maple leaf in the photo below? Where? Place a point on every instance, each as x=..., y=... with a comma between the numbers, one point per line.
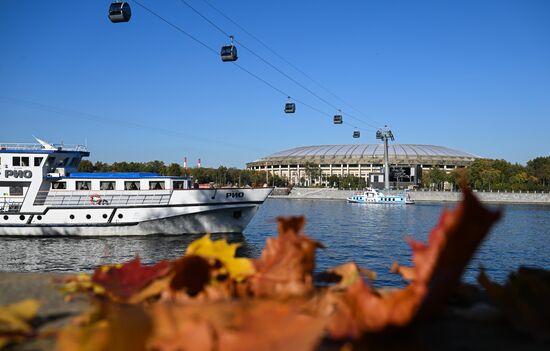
x=438, y=267
x=286, y=265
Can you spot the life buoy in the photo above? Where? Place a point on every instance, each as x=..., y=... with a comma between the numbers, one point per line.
x=95, y=199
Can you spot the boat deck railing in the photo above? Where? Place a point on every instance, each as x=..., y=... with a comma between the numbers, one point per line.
x=80, y=198
x=38, y=147
x=9, y=204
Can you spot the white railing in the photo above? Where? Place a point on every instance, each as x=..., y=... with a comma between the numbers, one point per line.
x=127, y=198
x=10, y=204
x=35, y=147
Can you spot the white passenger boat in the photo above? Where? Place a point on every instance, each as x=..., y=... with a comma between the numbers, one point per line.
x=373, y=196
x=41, y=193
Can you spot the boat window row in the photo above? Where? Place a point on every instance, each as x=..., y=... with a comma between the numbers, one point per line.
x=10, y=190
x=25, y=161
x=111, y=185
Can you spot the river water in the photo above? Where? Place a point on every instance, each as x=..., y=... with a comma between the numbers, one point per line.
x=371, y=235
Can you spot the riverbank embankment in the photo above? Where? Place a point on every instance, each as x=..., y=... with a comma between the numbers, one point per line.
x=428, y=196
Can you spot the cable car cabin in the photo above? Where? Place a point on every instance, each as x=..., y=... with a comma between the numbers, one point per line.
x=119, y=12
x=356, y=134
x=290, y=107
x=338, y=119
x=229, y=53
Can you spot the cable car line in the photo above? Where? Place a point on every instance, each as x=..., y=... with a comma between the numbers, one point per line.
x=272, y=65
x=258, y=56
x=175, y=27
x=234, y=63
x=127, y=124
x=287, y=61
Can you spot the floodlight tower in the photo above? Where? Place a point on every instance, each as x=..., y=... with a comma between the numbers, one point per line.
x=385, y=134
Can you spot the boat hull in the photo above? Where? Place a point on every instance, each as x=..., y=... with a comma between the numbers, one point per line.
x=199, y=220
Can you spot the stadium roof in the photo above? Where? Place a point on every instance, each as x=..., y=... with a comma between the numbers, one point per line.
x=369, y=153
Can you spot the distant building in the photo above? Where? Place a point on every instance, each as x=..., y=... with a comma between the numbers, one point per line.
x=362, y=160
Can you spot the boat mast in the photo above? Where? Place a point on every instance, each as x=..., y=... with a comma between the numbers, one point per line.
x=384, y=134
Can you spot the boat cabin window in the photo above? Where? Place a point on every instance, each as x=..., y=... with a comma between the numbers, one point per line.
x=16, y=191
x=75, y=161
x=38, y=161
x=131, y=185
x=156, y=185
x=50, y=161
x=83, y=185
x=59, y=185
x=63, y=162
x=107, y=185
x=178, y=185
x=20, y=161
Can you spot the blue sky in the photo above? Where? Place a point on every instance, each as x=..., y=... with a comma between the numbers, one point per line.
x=470, y=75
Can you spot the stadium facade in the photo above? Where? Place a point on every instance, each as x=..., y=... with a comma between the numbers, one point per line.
x=361, y=160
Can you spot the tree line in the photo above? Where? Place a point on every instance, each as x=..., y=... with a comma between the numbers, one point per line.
x=483, y=174
x=220, y=176
x=493, y=175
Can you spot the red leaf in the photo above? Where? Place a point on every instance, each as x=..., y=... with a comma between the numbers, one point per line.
x=286, y=265
x=128, y=279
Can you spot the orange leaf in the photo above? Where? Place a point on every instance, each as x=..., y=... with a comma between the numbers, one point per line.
x=226, y=326
x=286, y=265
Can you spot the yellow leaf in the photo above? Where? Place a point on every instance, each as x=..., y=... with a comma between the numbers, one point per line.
x=81, y=282
x=238, y=268
x=14, y=317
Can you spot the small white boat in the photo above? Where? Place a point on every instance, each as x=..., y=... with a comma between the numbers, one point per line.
x=373, y=196
x=41, y=193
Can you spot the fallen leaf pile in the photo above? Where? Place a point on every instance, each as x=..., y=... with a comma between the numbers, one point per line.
x=209, y=299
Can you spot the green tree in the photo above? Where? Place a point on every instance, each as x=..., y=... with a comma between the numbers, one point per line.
x=434, y=178
x=540, y=168
x=174, y=169
x=458, y=176
x=334, y=181
x=490, y=176
x=313, y=172
x=352, y=182
x=85, y=166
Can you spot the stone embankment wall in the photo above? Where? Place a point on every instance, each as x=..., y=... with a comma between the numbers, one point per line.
x=439, y=196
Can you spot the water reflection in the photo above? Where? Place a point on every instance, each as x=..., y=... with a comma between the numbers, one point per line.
x=371, y=235
x=74, y=254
